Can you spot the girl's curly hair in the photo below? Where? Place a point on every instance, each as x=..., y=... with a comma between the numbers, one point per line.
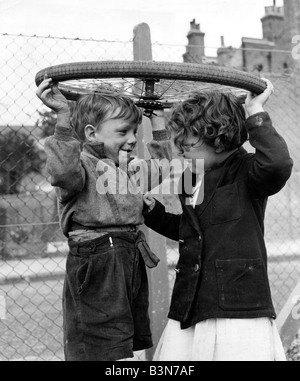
x=97, y=108
x=218, y=119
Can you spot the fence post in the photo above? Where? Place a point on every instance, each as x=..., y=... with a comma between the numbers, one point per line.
x=158, y=277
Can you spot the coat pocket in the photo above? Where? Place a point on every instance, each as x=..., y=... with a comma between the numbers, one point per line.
x=83, y=274
x=226, y=204
x=242, y=284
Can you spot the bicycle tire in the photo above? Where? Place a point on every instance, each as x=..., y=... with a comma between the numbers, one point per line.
x=208, y=73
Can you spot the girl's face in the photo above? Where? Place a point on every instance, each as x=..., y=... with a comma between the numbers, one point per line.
x=119, y=138
x=196, y=150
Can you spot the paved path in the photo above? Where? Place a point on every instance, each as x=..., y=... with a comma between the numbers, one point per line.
x=34, y=269
x=31, y=269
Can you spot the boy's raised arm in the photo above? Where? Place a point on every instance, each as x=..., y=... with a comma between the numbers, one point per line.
x=62, y=149
x=153, y=171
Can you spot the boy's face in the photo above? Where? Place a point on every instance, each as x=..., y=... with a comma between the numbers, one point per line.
x=119, y=138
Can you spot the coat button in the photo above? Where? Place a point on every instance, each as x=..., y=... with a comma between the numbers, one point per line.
x=196, y=268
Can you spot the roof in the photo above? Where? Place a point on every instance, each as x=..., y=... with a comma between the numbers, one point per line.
x=257, y=41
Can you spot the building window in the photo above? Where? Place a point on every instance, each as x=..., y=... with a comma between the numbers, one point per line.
x=258, y=67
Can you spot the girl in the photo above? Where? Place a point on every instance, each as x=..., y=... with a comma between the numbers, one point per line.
x=105, y=297
x=221, y=306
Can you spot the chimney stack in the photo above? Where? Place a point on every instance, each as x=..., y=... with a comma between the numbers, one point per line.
x=273, y=23
x=195, y=48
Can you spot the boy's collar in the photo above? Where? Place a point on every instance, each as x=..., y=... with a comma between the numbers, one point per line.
x=95, y=149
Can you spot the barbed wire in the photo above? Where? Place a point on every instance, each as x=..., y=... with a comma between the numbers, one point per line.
x=156, y=43
x=63, y=38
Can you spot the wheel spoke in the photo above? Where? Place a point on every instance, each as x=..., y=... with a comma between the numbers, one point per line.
x=152, y=88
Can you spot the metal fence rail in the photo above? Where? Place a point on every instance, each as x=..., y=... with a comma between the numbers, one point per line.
x=32, y=248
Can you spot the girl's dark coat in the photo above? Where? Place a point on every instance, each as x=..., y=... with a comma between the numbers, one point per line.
x=222, y=269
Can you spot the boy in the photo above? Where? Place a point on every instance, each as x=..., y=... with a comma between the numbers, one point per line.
x=105, y=297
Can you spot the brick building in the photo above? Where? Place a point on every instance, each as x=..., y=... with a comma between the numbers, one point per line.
x=272, y=57
x=272, y=53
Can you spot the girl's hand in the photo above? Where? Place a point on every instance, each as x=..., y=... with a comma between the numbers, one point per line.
x=255, y=103
x=149, y=201
x=158, y=120
x=52, y=97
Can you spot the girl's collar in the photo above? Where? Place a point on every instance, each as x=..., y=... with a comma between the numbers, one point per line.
x=224, y=162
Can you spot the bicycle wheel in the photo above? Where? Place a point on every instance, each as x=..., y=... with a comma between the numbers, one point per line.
x=151, y=84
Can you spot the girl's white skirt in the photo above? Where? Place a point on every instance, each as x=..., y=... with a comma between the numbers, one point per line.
x=221, y=340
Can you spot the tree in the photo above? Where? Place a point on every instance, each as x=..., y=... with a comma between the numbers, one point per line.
x=19, y=156
x=47, y=121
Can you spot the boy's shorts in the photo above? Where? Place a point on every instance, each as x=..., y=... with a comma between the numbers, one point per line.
x=106, y=299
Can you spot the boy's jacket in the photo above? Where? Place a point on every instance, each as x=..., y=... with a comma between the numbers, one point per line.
x=91, y=190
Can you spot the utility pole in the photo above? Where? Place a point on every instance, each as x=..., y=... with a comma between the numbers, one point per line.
x=158, y=277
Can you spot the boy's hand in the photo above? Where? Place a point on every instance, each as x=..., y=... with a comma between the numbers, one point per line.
x=149, y=201
x=158, y=120
x=255, y=104
x=52, y=97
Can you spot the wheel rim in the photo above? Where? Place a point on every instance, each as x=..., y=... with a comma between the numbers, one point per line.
x=149, y=83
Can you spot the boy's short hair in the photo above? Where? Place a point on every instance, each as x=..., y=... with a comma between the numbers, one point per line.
x=216, y=118
x=96, y=108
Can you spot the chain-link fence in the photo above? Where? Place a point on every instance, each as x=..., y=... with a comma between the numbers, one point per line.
x=32, y=248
